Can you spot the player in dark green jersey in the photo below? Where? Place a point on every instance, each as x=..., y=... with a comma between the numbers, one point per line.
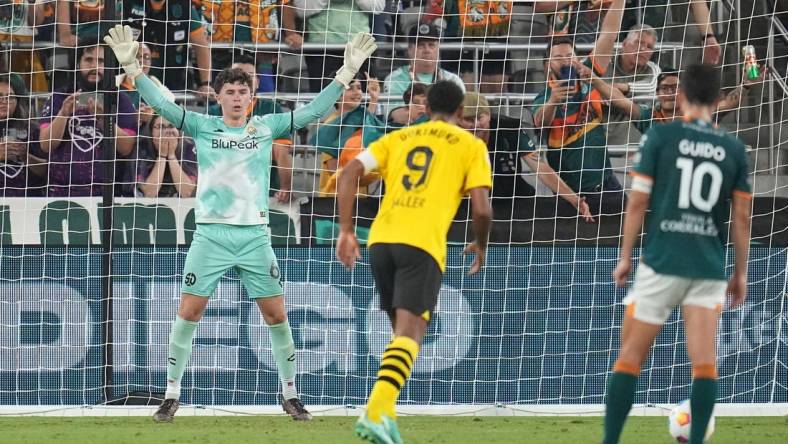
x=688, y=176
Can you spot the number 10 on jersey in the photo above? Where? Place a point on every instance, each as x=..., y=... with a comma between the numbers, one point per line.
x=691, y=187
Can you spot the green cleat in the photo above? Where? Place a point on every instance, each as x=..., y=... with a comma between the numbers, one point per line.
x=374, y=432
x=391, y=427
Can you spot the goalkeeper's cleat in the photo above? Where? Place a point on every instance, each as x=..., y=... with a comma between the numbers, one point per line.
x=374, y=432
x=391, y=427
x=295, y=408
x=166, y=410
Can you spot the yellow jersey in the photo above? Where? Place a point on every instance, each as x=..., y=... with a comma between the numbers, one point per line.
x=427, y=169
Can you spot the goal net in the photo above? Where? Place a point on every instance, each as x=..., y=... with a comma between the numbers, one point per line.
x=97, y=209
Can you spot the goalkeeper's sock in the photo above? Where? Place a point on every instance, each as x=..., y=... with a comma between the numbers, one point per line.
x=284, y=355
x=702, y=398
x=181, y=336
x=395, y=366
x=620, y=396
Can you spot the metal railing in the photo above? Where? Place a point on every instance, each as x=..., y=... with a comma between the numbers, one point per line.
x=477, y=47
x=385, y=46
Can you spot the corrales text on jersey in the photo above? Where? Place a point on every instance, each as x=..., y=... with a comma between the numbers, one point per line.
x=690, y=224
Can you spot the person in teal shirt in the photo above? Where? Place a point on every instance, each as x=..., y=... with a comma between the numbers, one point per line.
x=570, y=115
x=423, y=67
x=231, y=208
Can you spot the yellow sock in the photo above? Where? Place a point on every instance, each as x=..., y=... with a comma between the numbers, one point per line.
x=395, y=366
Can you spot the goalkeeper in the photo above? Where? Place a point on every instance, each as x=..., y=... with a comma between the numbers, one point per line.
x=234, y=163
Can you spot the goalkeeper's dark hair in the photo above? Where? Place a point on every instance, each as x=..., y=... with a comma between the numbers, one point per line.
x=232, y=75
x=700, y=84
x=445, y=97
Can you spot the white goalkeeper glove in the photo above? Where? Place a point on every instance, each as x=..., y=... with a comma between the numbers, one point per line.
x=357, y=51
x=121, y=41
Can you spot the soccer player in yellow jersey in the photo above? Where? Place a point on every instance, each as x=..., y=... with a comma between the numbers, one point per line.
x=427, y=169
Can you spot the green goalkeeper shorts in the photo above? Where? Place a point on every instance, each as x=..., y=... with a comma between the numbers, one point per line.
x=217, y=248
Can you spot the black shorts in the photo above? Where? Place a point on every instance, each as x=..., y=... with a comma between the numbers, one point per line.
x=407, y=277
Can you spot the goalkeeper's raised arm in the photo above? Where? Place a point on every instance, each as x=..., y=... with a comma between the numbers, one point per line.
x=123, y=44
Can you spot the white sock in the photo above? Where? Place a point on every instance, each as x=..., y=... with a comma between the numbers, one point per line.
x=173, y=390
x=289, y=389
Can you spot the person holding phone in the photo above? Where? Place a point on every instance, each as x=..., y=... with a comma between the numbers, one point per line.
x=72, y=130
x=570, y=116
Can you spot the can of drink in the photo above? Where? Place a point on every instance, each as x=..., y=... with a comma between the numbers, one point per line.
x=750, y=62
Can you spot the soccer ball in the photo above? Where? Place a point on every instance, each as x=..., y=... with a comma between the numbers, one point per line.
x=680, y=420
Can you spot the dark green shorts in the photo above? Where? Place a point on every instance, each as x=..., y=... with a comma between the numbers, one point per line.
x=217, y=248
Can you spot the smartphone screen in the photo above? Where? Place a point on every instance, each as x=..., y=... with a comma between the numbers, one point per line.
x=82, y=100
x=569, y=74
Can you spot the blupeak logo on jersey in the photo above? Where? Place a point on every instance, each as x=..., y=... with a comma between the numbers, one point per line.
x=246, y=143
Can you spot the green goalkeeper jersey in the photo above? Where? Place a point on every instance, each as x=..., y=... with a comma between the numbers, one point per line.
x=696, y=169
x=234, y=163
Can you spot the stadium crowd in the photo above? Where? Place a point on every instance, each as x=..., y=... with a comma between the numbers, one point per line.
x=588, y=95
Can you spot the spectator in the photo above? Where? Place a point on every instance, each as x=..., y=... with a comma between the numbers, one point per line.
x=251, y=21
x=578, y=20
x=72, y=130
x=569, y=114
x=346, y=131
x=634, y=74
x=423, y=53
x=333, y=22
x=21, y=164
x=16, y=82
x=480, y=21
x=19, y=22
x=281, y=183
x=44, y=13
x=507, y=143
x=702, y=15
x=667, y=107
x=127, y=87
x=78, y=20
x=415, y=99
x=632, y=70
x=169, y=27
x=166, y=166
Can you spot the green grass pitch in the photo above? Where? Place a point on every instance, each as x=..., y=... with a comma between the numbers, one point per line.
x=338, y=430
